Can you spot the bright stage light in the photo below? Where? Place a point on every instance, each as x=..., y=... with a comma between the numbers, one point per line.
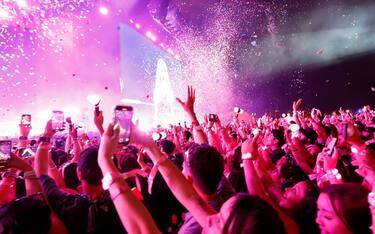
x=153, y=38
x=169, y=50
x=148, y=34
x=71, y=111
x=131, y=21
x=138, y=26
x=21, y=3
x=4, y=14
x=144, y=125
x=103, y=10
x=94, y=99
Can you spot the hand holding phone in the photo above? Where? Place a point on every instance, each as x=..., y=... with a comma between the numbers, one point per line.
x=123, y=116
x=331, y=146
x=5, y=150
x=58, y=120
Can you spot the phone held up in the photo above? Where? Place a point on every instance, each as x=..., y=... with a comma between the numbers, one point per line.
x=123, y=115
x=330, y=146
x=58, y=120
x=5, y=151
x=26, y=119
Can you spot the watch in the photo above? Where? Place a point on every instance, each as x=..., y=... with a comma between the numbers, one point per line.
x=109, y=178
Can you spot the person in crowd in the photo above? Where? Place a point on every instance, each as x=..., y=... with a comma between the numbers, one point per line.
x=92, y=211
x=344, y=209
x=297, y=174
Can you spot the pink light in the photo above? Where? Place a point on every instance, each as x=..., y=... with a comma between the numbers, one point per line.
x=153, y=38
x=170, y=51
x=138, y=26
x=103, y=10
x=94, y=98
x=161, y=45
x=131, y=21
x=148, y=34
x=21, y=3
x=4, y=14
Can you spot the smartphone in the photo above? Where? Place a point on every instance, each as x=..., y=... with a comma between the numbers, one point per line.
x=123, y=116
x=345, y=131
x=212, y=117
x=237, y=110
x=331, y=145
x=57, y=120
x=26, y=119
x=5, y=150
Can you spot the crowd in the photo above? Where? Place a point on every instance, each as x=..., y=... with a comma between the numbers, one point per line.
x=308, y=172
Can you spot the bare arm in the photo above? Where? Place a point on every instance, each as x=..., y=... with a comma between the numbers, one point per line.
x=181, y=188
x=198, y=133
x=133, y=214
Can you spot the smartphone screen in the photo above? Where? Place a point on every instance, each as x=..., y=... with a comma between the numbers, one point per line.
x=26, y=119
x=330, y=146
x=123, y=116
x=58, y=120
x=5, y=149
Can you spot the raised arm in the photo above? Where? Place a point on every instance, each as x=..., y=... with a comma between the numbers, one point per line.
x=133, y=214
x=181, y=188
x=188, y=106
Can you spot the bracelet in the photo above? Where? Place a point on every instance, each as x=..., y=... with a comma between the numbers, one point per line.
x=109, y=179
x=118, y=192
x=22, y=138
x=9, y=174
x=247, y=156
x=30, y=175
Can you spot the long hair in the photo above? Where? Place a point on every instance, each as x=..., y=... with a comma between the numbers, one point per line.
x=250, y=214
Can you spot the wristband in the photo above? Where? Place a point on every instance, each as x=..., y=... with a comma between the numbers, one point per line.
x=109, y=178
x=30, y=175
x=44, y=139
x=22, y=138
x=247, y=156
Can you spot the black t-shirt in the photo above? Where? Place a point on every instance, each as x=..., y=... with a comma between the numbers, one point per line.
x=79, y=213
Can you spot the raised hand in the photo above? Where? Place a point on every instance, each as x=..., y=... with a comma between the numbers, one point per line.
x=297, y=104
x=18, y=163
x=24, y=130
x=99, y=120
x=250, y=145
x=48, y=130
x=109, y=140
x=188, y=106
